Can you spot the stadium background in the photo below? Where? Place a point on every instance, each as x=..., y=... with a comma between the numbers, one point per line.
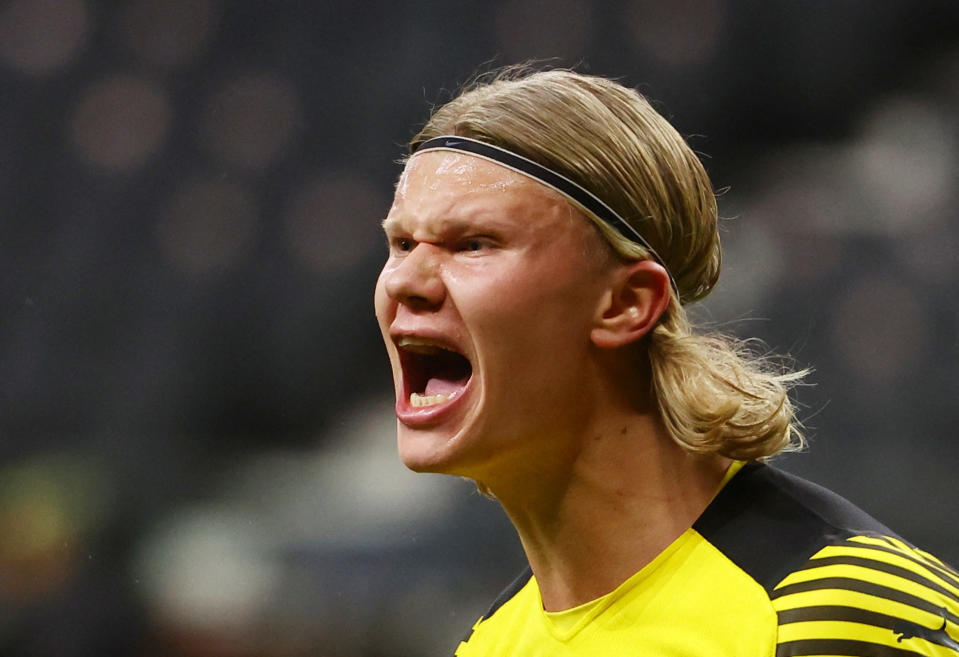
x=196, y=449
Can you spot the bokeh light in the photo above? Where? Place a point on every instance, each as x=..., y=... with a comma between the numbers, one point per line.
x=534, y=29
x=166, y=33
x=879, y=328
x=40, y=36
x=798, y=198
x=206, y=569
x=931, y=253
x=753, y=264
x=251, y=120
x=207, y=227
x=675, y=33
x=809, y=254
x=332, y=221
x=120, y=122
x=50, y=506
x=907, y=163
x=353, y=494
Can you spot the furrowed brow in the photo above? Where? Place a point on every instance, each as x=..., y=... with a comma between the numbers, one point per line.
x=445, y=226
x=389, y=224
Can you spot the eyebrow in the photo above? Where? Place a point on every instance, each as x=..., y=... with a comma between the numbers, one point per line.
x=449, y=223
x=439, y=230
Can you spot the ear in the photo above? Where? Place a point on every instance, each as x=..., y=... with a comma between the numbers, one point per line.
x=635, y=300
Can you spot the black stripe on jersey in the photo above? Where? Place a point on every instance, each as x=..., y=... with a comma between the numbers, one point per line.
x=838, y=613
x=889, y=568
x=846, y=647
x=902, y=628
x=941, y=569
x=918, y=555
x=502, y=598
x=930, y=560
x=868, y=588
x=509, y=592
x=947, y=568
x=769, y=522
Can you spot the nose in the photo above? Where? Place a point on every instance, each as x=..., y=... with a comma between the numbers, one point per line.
x=414, y=280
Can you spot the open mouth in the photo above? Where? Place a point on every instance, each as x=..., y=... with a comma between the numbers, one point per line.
x=433, y=374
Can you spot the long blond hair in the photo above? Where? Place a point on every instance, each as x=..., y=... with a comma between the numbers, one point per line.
x=714, y=393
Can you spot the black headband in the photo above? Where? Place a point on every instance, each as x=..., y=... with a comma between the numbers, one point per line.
x=550, y=178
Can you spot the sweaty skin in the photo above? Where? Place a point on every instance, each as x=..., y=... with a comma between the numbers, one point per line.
x=464, y=168
x=556, y=419
x=492, y=263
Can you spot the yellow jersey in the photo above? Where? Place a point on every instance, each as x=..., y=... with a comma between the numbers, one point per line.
x=775, y=566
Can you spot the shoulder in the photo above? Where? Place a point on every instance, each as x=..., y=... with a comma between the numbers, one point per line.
x=841, y=583
x=867, y=592
x=768, y=521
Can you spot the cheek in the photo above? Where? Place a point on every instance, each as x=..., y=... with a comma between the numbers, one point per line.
x=533, y=294
x=530, y=321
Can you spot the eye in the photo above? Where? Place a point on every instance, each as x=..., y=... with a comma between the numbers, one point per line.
x=474, y=244
x=404, y=244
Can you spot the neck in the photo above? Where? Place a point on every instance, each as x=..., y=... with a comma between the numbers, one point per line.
x=606, y=509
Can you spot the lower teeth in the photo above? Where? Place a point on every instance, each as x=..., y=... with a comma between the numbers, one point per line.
x=417, y=400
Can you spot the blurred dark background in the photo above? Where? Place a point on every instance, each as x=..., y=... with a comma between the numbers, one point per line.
x=196, y=433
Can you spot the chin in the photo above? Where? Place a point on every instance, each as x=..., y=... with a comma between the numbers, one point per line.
x=434, y=451
x=423, y=450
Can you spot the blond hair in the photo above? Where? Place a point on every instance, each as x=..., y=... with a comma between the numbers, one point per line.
x=714, y=394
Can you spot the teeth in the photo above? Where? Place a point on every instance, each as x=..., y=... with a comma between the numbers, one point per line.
x=419, y=345
x=418, y=401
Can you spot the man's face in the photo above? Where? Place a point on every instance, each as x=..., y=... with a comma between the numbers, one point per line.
x=486, y=303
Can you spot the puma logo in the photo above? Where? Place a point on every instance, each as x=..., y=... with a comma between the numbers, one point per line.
x=907, y=630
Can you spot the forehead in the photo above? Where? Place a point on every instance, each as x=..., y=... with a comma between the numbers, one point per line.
x=441, y=184
x=437, y=166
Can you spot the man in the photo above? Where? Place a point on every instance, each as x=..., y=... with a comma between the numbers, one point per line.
x=546, y=232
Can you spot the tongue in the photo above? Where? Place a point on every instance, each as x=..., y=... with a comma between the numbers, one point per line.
x=442, y=387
